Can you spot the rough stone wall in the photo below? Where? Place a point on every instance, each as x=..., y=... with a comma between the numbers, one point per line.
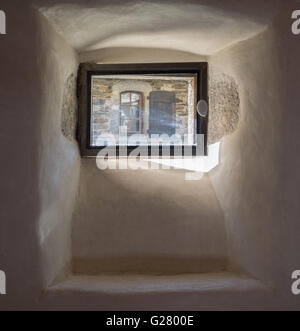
x=224, y=106
x=69, y=109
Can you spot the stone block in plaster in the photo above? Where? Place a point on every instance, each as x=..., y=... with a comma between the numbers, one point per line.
x=224, y=106
x=69, y=108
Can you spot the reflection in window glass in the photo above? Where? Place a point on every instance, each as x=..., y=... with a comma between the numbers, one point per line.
x=131, y=111
x=149, y=107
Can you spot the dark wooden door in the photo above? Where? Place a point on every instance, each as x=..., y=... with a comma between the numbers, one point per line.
x=162, y=112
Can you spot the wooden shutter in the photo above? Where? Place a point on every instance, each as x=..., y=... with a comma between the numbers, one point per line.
x=162, y=112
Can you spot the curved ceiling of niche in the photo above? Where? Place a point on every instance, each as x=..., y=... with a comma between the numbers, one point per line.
x=199, y=26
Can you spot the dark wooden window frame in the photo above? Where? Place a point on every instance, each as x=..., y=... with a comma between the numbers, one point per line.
x=87, y=70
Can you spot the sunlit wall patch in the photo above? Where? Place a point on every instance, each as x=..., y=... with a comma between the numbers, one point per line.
x=202, y=164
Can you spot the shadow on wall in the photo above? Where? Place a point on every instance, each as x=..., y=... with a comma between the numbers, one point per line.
x=149, y=265
x=20, y=108
x=139, y=55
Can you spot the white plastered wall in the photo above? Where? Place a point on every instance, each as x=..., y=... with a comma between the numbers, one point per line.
x=257, y=181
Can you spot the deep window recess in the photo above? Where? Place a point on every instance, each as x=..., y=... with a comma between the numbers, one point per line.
x=142, y=105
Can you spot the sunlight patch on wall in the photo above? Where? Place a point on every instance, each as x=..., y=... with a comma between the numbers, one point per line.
x=202, y=164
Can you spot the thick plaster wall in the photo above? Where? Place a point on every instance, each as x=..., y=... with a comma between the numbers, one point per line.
x=37, y=190
x=248, y=179
x=257, y=179
x=59, y=155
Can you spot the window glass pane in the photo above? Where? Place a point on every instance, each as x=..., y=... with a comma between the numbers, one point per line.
x=132, y=125
x=135, y=97
x=125, y=110
x=135, y=111
x=125, y=98
x=143, y=105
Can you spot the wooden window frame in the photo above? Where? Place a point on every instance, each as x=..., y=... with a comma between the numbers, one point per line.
x=87, y=70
